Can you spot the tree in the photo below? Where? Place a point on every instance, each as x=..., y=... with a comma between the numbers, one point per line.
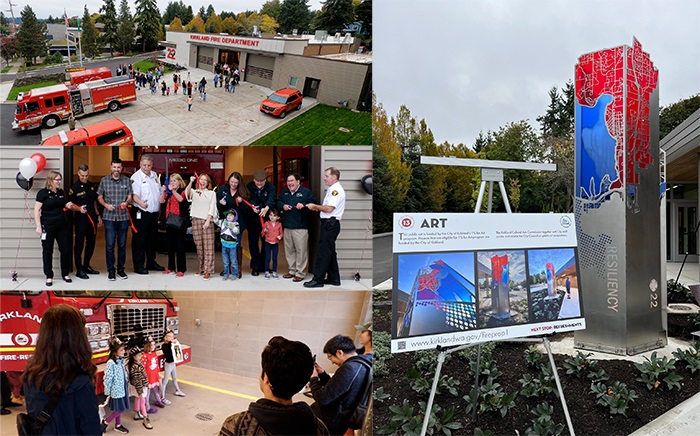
x=675, y=113
x=4, y=25
x=271, y=8
x=177, y=10
x=9, y=47
x=390, y=174
x=229, y=25
x=294, y=14
x=363, y=13
x=148, y=24
x=202, y=13
x=127, y=31
x=213, y=24
x=89, y=38
x=196, y=25
x=31, y=36
x=335, y=15
x=244, y=25
x=111, y=24
x=267, y=24
x=210, y=12
x=176, y=25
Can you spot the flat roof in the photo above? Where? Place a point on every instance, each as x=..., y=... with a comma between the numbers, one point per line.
x=358, y=58
x=682, y=145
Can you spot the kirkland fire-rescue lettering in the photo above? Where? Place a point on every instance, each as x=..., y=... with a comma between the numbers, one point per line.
x=15, y=314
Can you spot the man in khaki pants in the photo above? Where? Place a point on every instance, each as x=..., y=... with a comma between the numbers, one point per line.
x=292, y=202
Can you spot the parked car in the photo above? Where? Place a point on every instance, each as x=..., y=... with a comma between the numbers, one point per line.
x=282, y=101
x=110, y=132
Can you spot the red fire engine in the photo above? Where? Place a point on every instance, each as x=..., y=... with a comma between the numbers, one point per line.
x=81, y=75
x=132, y=316
x=50, y=105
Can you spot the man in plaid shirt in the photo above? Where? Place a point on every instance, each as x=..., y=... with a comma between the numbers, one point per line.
x=114, y=193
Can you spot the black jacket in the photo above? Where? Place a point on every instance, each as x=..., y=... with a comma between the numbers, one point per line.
x=76, y=412
x=295, y=218
x=338, y=396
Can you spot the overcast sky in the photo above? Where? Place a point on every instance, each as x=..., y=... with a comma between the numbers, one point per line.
x=471, y=65
x=43, y=9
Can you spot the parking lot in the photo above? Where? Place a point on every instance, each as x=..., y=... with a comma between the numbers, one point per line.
x=223, y=119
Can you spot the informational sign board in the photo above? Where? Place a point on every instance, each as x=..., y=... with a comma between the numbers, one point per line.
x=469, y=278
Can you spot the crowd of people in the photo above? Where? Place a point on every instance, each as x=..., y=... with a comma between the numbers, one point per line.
x=236, y=208
x=59, y=383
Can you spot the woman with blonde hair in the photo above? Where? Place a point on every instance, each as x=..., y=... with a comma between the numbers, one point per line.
x=173, y=196
x=203, y=199
x=49, y=214
x=61, y=370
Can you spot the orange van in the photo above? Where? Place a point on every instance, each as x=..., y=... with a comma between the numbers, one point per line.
x=109, y=133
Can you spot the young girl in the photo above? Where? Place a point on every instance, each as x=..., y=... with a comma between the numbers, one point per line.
x=170, y=368
x=273, y=235
x=116, y=384
x=150, y=362
x=139, y=380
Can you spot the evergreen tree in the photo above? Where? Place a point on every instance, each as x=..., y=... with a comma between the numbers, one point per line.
x=294, y=14
x=111, y=24
x=31, y=36
x=213, y=24
x=363, y=12
x=674, y=114
x=210, y=12
x=202, y=13
x=127, y=31
x=271, y=8
x=4, y=25
x=335, y=16
x=196, y=25
x=148, y=25
x=176, y=25
x=177, y=10
x=90, y=39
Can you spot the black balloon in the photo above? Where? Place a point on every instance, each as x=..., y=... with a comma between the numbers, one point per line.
x=367, y=184
x=24, y=183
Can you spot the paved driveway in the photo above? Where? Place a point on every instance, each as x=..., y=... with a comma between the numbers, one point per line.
x=223, y=119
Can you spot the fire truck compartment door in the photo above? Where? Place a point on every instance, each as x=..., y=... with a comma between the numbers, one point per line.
x=76, y=103
x=86, y=96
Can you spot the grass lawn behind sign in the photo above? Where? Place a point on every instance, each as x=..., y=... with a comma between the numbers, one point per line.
x=321, y=125
x=17, y=90
x=146, y=65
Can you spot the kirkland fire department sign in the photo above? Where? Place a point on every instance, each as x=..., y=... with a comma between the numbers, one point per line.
x=469, y=278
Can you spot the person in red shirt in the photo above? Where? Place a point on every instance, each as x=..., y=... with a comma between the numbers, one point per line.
x=273, y=235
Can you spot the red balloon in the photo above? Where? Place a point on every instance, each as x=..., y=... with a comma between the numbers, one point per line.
x=40, y=160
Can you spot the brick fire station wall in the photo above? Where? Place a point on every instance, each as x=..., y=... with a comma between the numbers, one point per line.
x=236, y=325
x=340, y=80
x=16, y=228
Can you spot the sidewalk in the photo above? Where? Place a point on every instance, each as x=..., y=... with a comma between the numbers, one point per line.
x=6, y=86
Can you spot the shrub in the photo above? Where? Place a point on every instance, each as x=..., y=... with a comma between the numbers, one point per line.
x=381, y=347
x=616, y=397
x=691, y=357
x=598, y=376
x=491, y=398
x=543, y=424
x=533, y=357
x=677, y=293
x=655, y=371
x=578, y=365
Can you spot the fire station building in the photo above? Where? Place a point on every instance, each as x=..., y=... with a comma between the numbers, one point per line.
x=321, y=67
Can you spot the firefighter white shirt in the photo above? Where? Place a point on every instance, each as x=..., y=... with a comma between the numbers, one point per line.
x=148, y=190
x=335, y=196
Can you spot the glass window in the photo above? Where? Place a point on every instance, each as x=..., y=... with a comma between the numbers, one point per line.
x=110, y=137
x=32, y=106
x=685, y=191
x=293, y=81
x=48, y=102
x=59, y=100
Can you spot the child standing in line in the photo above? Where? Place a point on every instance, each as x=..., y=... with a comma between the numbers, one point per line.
x=150, y=362
x=139, y=380
x=116, y=384
x=170, y=367
x=273, y=235
x=229, y=243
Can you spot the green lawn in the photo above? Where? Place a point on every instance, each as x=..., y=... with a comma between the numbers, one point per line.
x=6, y=69
x=321, y=126
x=16, y=90
x=146, y=65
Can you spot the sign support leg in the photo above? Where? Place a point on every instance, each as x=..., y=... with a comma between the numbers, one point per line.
x=490, y=203
x=480, y=198
x=561, y=391
x=440, y=359
x=475, y=401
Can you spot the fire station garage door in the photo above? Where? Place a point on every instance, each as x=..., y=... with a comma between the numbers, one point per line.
x=259, y=70
x=205, y=58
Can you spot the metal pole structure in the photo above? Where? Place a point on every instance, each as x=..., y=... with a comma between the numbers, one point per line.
x=489, y=208
x=480, y=199
x=561, y=391
x=475, y=401
x=505, y=196
x=440, y=360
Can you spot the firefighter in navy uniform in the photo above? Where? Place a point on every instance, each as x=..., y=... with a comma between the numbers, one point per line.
x=326, y=271
x=263, y=198
x=86, y=219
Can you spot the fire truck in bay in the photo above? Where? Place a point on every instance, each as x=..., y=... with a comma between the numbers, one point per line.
x=132, y=316
x=50, y=105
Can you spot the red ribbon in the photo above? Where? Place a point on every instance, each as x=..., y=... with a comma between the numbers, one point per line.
x=89, y=217
x=131, y=221
x=262, y=221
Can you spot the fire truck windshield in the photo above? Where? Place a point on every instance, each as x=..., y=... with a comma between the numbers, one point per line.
x=18, y=109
